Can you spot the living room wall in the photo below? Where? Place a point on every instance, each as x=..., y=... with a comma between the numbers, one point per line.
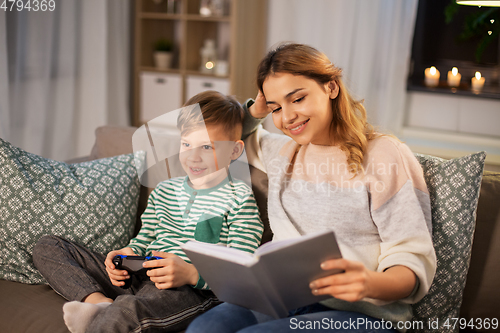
x=360, y=36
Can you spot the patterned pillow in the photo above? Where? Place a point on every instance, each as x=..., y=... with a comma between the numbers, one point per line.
x=93, y=203
x=454, y=191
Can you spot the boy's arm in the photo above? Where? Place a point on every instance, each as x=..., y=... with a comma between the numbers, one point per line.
x=245, y=225
x=146, y=235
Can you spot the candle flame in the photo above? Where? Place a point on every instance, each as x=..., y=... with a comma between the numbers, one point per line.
x=454, y=71
x=209, y=65
x=478, y=75
x=433, y=70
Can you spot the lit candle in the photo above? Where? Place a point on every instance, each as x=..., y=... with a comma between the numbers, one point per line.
x=431, y=77
x=454, y=77
x=477, y=82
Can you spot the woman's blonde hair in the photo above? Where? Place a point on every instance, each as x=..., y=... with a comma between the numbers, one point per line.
x=349, y=127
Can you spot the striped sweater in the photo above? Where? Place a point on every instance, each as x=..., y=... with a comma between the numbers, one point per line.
x=381, y=217
x=225, y=214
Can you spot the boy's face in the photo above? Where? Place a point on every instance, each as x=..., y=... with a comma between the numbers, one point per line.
x=205, y=153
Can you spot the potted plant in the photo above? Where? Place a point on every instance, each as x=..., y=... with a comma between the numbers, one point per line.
x=163, y=53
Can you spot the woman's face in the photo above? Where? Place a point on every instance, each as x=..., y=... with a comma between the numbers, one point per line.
x=301, y=107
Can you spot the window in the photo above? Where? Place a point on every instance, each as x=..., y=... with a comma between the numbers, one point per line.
x=440, y=44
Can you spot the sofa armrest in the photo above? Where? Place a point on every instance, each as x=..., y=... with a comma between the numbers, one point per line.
x=112, y=141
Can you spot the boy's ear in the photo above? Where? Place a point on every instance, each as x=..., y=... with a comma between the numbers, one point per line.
x=237, y=149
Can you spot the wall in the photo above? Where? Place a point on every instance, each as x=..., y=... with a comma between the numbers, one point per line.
x=444, y=125
x=453, y=125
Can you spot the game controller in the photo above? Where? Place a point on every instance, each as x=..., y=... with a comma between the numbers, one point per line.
x=132, y=264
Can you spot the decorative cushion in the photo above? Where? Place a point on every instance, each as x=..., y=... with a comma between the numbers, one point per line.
x=93, y=203
x=454, y=191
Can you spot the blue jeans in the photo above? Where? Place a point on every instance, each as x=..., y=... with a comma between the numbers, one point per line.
x=229, y=318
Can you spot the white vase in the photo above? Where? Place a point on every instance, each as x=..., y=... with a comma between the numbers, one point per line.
x=163, y=60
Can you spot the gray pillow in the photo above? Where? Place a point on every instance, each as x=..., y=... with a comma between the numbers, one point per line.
x=92, y=203
x=454, y=191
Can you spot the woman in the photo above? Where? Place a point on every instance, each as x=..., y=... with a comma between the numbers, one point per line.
x=333, y=171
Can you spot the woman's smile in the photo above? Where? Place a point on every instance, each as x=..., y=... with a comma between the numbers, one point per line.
x=297, y=128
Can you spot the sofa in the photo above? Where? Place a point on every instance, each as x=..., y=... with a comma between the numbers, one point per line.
x=38, y=309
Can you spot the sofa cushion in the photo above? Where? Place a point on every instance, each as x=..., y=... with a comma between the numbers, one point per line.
x=30, y=309
x=113, y=141
x=482, y=292
x=92, y=203
x=454, y=190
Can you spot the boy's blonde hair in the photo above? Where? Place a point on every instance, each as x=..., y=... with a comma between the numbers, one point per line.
x=216, y=110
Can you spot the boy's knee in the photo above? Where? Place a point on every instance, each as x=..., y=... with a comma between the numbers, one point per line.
x=43, y=247
x=47, y=241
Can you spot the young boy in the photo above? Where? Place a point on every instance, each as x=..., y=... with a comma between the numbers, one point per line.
x=207, y=205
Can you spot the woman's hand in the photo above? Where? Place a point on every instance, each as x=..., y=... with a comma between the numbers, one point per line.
x=358, y=282
x=259, y=109
x=171, y=272
x=351, y=285
x=117, y=276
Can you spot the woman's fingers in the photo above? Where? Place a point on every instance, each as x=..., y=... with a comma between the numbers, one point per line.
x=259, y=109
x=336, y=279
x=350, y=291
x=349, y=296
x=350, y=285
x=342, y=264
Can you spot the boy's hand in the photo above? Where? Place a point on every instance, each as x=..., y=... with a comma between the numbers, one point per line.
x=171, y=272
x=117, y=276
x=259, y=109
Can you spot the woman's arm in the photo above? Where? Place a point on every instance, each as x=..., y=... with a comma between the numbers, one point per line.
x=255, y=114
x=260, y=144
x=259, y=108
x=358, y=282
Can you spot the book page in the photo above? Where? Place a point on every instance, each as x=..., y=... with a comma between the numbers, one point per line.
x=276, y=245
x=221, y=252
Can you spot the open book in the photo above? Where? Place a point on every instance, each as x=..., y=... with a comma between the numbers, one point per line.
x=272, y=281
